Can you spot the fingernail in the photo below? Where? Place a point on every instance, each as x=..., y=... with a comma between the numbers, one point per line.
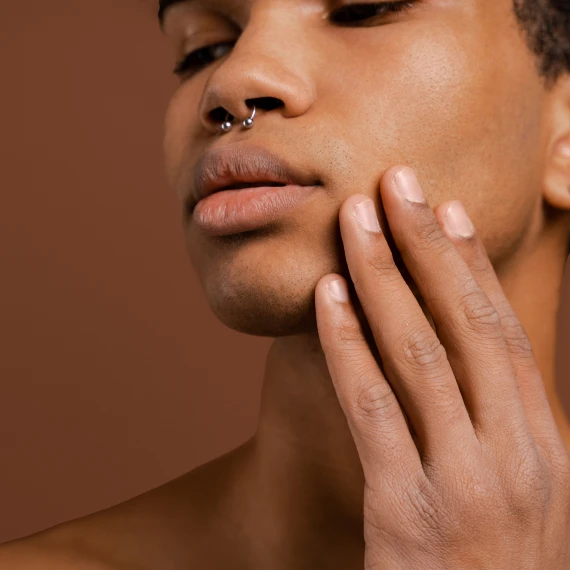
x=337, y=290
x=365, y=213
x=564, y=149
x=407, y=184
x=457, y=220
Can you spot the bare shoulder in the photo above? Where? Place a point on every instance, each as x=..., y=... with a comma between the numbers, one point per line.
x=78, y=544
x=174, y=526
x=37, y=553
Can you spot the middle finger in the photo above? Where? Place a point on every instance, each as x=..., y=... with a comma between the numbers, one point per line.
x=467, y=322
x=413, y=358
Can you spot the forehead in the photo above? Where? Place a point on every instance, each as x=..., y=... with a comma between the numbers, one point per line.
x=164, y=5
x=235, y=5
x=492, y=11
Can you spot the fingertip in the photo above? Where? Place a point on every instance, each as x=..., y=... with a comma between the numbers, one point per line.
x=390, y=174
x=440, y=211
x=346, y=209
x=338, y=290
x=334, y=287
x=455, y=221
x=402, y=182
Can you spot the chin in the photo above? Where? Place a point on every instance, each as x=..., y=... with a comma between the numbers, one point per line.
x=264, y=287
x=263, y=284
x=261, y=308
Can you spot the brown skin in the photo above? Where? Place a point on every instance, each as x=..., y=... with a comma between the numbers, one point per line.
x=450, y=89
x=485, y=482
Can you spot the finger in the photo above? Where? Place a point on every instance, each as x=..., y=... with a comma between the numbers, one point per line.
x=453, y=218
x=374, y=416
x=413, y=358
x=467, y=322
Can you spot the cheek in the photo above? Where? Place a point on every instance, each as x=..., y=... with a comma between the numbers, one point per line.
x=461, y=118
x=425, y=94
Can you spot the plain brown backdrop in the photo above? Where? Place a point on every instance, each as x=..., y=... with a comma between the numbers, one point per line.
x=115, y=376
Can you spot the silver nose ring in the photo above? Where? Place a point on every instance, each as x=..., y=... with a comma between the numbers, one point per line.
x=247, y=123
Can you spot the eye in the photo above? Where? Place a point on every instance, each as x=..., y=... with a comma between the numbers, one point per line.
x=196, y=60
x=362, y=12
x=353, y=13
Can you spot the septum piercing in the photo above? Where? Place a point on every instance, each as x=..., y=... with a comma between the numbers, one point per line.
x=247, y=123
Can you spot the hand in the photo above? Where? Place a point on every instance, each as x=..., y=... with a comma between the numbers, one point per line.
x=464, y=466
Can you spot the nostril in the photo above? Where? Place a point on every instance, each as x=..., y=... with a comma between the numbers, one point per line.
x=265, y=103
x=219, y=115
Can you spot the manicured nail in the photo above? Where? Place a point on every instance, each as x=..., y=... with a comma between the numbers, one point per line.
x=457, y=220
x=365, y=213
x=337, y=290
x=407, y=184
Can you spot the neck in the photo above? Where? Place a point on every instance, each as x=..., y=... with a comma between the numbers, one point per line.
x=533, y=285
x=303, y=458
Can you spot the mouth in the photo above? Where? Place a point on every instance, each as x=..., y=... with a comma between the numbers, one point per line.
x=243, y=166
x=233, y=210
x=240, y=186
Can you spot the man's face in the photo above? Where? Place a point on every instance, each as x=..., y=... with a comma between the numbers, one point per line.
x=447, y=87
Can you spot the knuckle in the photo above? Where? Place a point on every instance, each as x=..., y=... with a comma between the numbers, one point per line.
x=381, y=264
x=531, y=486
x=430, y=236
x=421, y=349
x=480, y=314
x=516, y=337
x=374, y=400
x=348, y=334
x=346, y=343
x=429, y=231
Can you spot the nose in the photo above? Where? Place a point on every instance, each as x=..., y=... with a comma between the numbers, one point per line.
x=268, y=68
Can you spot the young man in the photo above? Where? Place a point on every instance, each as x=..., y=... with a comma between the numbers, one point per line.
x=409, y=415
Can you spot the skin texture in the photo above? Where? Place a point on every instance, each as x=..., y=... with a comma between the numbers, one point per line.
x=451, y=90
x=463, y=493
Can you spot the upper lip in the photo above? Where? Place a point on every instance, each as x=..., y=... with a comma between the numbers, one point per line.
x=228, y=167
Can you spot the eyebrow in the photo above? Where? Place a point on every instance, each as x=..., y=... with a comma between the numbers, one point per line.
x=163, y=5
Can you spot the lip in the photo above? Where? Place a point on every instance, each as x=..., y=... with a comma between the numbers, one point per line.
x=224, y=167
x=235, y=211
x=220, y=208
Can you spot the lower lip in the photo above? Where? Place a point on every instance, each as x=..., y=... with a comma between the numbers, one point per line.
x=234, y=211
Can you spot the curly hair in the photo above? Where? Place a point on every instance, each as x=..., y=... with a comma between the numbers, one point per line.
x=547, y=25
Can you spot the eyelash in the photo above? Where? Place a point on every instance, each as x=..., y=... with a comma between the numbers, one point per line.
x=194, y=61
x=359, y=12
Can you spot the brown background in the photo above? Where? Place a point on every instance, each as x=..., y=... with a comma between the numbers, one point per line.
x=115, y=376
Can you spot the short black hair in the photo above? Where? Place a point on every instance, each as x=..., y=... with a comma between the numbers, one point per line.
x=547, y=26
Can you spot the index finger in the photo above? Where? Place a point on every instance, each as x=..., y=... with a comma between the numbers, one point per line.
x=375, y=418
